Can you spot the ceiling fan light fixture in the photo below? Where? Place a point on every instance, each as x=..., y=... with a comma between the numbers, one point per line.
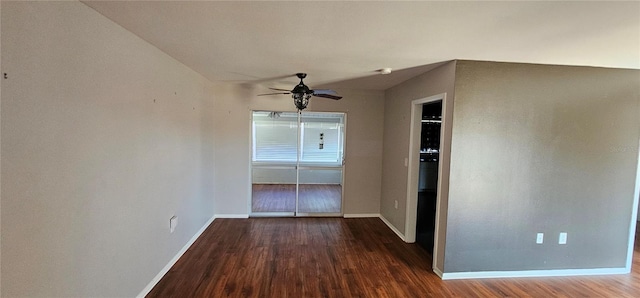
x=301, y=100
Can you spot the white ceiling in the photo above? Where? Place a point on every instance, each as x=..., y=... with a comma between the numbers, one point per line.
x=342, y=44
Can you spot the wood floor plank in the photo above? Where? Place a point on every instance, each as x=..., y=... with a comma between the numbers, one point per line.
x=313, y=198
x=336, y=257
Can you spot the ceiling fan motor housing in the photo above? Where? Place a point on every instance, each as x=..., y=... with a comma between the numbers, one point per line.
x=302, y=88
x=301, y=93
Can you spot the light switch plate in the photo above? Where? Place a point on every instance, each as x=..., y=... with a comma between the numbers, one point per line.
x=173, y=222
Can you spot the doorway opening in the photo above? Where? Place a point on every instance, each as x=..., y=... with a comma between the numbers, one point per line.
x=297, y=163
x=431, y=123
x=442, y=184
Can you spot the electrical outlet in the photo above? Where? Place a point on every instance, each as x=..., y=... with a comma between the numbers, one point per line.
x=562, y=239
x=540, y=238
x=395, y=204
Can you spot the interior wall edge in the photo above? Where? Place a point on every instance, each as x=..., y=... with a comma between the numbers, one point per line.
x=398, y=108
x=635, y=218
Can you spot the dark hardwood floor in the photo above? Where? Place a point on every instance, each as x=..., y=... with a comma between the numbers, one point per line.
x=336, y=257
x=325, y=198
x=320, y=198
x=273, y=198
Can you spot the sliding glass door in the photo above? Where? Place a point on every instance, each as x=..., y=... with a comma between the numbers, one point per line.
x=297, y=163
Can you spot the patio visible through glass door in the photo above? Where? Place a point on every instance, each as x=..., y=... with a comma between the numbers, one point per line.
x=297, y=163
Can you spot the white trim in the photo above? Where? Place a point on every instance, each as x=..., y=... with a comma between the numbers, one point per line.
x=533, y=273
x=175, y=259
x=250, y=166
x=634, y=215
x=272, y=214
x=343, y=145
x=438, y=272
x=445, y=155
x=318, y=214
x=231, y=215
x=413, y=165
x=362, y=215
x=299, y=137
x=392, y=227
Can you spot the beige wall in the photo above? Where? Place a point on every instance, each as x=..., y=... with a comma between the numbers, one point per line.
x=104, y=138
x=1, y=154
x=234, y=104
x=541, y=148
x=397, y=115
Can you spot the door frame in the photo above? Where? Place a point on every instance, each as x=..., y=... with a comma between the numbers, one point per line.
x=298, y=167
x=635, y=216
x=413, y=165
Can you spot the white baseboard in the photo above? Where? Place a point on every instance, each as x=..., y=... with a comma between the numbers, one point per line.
x=361, y=215
x=231, y=215
x=392, y=228
x=173, y=261
x=437, y=272
x=532, y=273
x=272, y=214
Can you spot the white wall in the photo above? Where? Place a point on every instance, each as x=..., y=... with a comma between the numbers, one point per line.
x=363, y=145
x=104, y=138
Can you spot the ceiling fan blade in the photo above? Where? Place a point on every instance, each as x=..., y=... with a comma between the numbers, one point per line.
x=324, y=91
x=278, y=89
x=274, y=93
x=257, y=80
x=336, y=97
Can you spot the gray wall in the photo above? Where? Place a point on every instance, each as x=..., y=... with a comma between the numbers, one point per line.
x=541, y=149
x=397, y=124
x=104, y=138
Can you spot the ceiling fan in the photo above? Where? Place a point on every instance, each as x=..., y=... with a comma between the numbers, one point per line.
x=301, y=93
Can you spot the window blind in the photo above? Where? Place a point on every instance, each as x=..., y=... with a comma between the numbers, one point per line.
x=275, y=140
x=275, y=137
